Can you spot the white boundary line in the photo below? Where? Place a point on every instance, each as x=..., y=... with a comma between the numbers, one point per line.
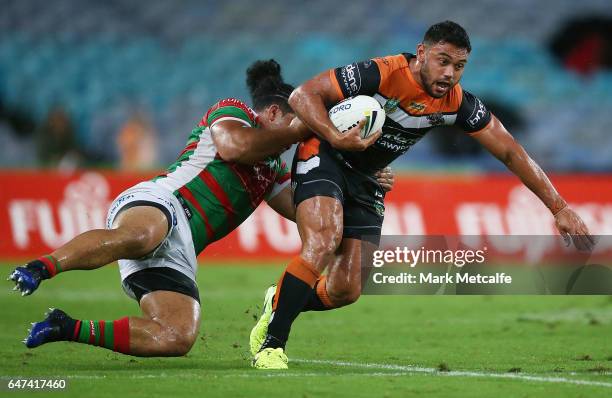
x=407, y=369
x=380, y=370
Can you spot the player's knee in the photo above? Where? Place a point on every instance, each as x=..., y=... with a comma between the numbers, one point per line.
x=182, y=346
x=138, y=242
x=178, y=344
x=144, y=241
x=344, y=295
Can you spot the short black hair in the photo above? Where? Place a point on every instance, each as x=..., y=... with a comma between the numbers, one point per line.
x=448, y=32
x=266, y=85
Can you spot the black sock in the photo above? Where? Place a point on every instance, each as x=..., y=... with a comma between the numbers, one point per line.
x=314, y=302
x=293, y=292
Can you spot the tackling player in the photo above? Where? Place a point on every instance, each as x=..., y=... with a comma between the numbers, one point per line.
x=339, y=205
x=158, y=227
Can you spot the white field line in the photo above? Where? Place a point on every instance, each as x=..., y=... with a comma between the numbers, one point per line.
x=454, y=373
x=276, y=373
x=379, y=370
x=578, y=315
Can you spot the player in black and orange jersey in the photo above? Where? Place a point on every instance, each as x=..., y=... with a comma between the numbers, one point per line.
x=340, y=205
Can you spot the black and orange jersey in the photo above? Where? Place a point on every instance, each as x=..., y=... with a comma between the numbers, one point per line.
x=411, y=112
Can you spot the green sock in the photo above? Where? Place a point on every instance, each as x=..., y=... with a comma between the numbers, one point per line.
x=98, y=333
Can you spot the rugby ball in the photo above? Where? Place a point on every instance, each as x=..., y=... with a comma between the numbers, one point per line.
x=348, y=113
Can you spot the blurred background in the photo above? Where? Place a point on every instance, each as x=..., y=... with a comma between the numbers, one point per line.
x=120, y=84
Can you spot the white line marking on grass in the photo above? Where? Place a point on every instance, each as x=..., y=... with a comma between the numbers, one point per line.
x=380, y=370
x=454, y=373
x=277, y=373
x=574, y=315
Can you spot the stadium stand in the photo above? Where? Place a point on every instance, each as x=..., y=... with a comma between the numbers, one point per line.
x=103, y=61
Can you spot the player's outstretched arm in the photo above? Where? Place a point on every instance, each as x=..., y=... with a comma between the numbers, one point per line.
x=237, y=143
x=309, y=103
x=498, y=141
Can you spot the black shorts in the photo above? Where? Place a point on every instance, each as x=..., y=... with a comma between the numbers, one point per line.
x=152, y=279
x=319, y=170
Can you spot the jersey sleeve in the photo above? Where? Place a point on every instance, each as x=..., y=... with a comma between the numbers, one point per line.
x=230, y=109
x=282, y=180
x=473, y=115
x=358, y=78
x=367, y=77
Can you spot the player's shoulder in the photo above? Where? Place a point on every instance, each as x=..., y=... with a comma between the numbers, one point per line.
x=229, y=108
x=464, y=98
x=472, y=113
x=233, y=105
x=393, y=62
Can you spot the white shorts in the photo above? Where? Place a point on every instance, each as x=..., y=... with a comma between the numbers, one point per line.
x=176, y=251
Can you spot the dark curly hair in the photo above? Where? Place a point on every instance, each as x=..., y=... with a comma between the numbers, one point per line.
x=266, y=85
x=449, y=32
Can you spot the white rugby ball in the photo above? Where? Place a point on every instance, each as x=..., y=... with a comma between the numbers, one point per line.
x=348, y=113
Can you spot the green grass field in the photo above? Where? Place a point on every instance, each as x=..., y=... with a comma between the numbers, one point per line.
x=382, y=346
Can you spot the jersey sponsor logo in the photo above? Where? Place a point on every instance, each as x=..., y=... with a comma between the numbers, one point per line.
x=119, y=202
x=379, y=206
x=351, y=79
x=396, y=142
x=478, y=113
x=435, y=119
x=185, y=207
x=391, y=105
x=393, y=147
x=417, y=107
x=116, y=206
x=398, y=138
x=257, y=180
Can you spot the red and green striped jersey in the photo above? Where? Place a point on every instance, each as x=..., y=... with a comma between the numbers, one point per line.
x=217, y=195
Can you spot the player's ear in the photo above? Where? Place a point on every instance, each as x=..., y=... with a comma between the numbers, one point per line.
x=420, y=53
x=274, y=112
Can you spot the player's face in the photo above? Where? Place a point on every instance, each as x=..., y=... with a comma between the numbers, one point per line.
x=442, y=65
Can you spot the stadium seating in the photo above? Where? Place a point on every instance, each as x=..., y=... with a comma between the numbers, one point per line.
x=103, y=60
